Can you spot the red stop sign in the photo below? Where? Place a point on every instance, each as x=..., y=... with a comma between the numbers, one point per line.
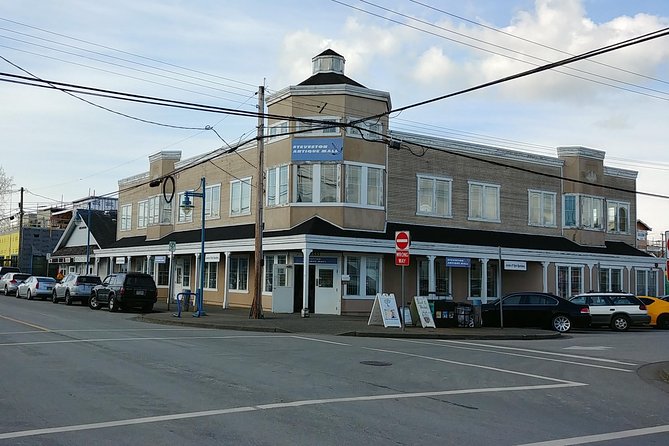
x=402, y=240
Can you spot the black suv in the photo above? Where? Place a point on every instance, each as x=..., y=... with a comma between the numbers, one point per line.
x=125, y=290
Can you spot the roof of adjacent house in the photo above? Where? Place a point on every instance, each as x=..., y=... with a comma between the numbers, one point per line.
x=419, y=233
x=103, y=231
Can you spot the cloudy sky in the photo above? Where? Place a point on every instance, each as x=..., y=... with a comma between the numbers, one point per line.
x=218, y=53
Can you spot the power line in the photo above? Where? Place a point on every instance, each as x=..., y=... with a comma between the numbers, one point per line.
x=497, y=30
x=616, y=46
x=504, y=48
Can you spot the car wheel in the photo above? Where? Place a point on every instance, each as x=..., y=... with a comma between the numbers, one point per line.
x=54, y=297
x=93, y=303
x=29, y=295
x=620, y=322
x=561, y=323
x=113, y=306
x=662, y=321
x=16, y=293
x=68, y=299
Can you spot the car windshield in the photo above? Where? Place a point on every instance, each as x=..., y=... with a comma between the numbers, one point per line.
x=46, y=279
x=21, y=276
x=89, y=279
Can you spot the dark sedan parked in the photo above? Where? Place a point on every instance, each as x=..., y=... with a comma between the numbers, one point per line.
x=535, y=309
x=125, y=290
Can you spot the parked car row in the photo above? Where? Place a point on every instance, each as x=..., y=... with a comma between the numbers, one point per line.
x=619, y=311
x=117, y=291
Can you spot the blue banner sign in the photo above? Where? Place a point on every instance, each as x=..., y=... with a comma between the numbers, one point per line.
x=317, y=149
x=458, y=262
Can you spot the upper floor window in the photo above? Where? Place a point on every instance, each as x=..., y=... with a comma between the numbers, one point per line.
x=434, y=196
x=183, y=217
x=618, y=217
x=142, y=213
x=364, y=185
x=483, y=202
x=277, y=186
x=154, y=210
x=317, y=183
x=371, y=130
x=320, y=128
x=212, y=201
x=240, y=197
x=126, y=217
x=584, y=211
x=541, y=208
x=278, y=131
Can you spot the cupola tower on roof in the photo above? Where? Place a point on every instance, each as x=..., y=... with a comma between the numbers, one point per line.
x=328, y=62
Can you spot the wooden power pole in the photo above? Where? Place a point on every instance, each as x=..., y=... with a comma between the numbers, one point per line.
x=256, y=305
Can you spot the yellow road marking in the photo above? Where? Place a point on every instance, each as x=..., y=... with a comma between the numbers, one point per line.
x=25, y=323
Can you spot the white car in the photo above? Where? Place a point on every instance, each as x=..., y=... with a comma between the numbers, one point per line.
x=616, y=310
x=36, y=286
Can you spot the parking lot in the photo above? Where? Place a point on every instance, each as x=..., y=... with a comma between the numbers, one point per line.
x=74, y=376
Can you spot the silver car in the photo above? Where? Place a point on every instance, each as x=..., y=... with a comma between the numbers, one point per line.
x=74, y=287
x=36, y=286
x=10, y=282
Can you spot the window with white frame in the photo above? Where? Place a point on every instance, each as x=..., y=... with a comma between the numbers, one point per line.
x=442, y=277
x=142, y=214
x=569, y=280
x=541, y=208
x=238, y=276
x=165, y=212
x=154, y=210
x=610, y=280
x=278, y=131
x=371, y=130
x=364, y=185
x=476, y=278
x=646, y=282
x=126, y=217
x=317, y=183
x=163, y=273
x=212, y=199
x=365, y=276
x=569, y=210
x=434, y=196
x=210, y=274
x=240, y=197
x=592, y=212
x=182, y=217
x=270, y=279
x=185, y=278
x=277, y=186
x=320, y=128
x=618, y=217
x=484, y=202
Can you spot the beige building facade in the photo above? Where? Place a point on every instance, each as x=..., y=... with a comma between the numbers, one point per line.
x=484, y=221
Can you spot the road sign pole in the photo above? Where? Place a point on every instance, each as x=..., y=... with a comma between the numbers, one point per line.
x=404, y=314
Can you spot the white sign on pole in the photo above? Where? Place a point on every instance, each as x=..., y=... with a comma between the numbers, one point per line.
x=384, y=311
x=420, y=310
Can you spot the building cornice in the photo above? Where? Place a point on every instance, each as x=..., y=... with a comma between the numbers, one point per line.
x=134, y=179
x=621, y=173
x=171, y=155
x=478, y=149
x=580, y=151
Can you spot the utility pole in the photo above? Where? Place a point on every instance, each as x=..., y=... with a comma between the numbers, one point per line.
x=256, y=305
x=18, y=257
x=88, y=238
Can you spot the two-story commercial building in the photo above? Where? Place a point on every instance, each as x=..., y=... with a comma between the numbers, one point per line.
x=483, y=220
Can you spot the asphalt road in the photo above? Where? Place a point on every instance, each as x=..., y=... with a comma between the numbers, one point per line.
x=72, y=376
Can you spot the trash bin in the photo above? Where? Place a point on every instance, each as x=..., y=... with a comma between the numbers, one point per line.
x=445, y=313
x=476, y=303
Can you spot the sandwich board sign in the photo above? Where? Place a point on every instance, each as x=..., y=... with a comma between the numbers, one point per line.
x=420, y=310
x=384, y=311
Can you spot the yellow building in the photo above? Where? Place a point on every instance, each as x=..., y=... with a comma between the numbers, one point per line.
x=9, y=247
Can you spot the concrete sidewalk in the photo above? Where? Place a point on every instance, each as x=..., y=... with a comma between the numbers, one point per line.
x=238, y=319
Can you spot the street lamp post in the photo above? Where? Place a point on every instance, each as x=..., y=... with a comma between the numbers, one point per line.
x=187, y=207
